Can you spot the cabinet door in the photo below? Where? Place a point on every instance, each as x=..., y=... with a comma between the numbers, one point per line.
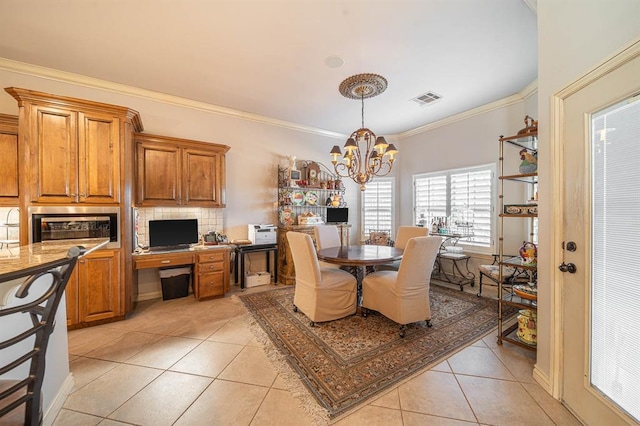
x=54, y=145
x=99, y=158
x=71, y=298
x=158, y=174
x=8, y=168
x=99, y=286
x=202, y=177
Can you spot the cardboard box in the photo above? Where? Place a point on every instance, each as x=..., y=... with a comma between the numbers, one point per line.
x=257, y=279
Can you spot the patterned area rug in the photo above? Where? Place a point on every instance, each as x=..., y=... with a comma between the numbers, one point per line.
x=346, y=362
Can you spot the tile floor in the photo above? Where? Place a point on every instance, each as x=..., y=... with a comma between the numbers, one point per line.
x=183, y=362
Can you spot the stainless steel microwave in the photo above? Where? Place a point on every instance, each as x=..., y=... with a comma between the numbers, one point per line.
x=74, y=223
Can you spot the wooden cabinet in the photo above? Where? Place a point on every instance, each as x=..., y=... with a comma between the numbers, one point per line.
x=93, y=292
x=179, y=172
x=9, y=188
x=286, y=270
x=212, y=274
x=76, y=154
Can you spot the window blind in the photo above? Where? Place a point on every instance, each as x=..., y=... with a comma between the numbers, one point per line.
x=377, y=206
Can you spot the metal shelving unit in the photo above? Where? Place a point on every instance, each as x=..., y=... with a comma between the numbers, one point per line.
x=527, y=141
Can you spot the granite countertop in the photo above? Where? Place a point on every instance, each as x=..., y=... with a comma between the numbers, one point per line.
x=34, y=255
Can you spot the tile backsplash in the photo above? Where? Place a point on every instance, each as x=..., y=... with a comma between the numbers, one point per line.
x=208, y=219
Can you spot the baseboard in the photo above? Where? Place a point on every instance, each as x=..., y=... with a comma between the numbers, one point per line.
x=58, y=401
x=543, y=380
x=149, y=295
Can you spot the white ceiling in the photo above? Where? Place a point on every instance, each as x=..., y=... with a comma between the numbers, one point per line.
x=267, y=57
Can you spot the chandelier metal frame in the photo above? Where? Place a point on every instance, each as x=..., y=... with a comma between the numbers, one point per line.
x=366, y=155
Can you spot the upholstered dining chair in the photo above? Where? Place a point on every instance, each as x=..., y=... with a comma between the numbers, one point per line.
x=322, y=294
x=403, y=295
x=402, y=237
x=327, y=236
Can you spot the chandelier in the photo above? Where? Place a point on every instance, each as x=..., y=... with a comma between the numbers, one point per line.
x=365, y=154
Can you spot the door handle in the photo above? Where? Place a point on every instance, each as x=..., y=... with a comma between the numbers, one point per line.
x=567, y=267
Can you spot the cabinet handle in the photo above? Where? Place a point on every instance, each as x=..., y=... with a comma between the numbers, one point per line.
x=165, y=261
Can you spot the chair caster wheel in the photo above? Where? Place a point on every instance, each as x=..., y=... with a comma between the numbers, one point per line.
x=429, y=324
x=312, y=324
x=295, y=308
x=364, y=313
x=403, y=331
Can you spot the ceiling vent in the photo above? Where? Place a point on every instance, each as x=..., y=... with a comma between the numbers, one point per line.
x=427, y=98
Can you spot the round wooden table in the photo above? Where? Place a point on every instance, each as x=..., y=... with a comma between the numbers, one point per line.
x=358, y=257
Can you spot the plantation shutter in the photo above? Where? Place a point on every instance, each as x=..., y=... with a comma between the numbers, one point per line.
x=471, y=203
x=430, y=197
x=377, y=206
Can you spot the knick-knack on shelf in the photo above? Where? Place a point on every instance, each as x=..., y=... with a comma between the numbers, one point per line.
x=529, y=162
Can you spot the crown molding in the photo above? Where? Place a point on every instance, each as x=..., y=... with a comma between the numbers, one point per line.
x=122, y=89
x=528, y=90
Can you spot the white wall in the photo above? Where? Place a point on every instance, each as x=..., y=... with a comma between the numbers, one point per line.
x=574, y=36
x=256, y=148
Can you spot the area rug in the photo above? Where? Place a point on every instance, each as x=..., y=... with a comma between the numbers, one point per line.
x=348, y=362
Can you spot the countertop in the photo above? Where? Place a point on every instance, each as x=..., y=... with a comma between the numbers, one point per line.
x=35, y=255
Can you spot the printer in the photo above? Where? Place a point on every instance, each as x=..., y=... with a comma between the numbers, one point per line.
x=262, y=234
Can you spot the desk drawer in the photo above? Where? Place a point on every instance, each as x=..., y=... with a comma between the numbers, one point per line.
x=205, y=268
x=211, y=284
x=163, y=260
x=214, y=256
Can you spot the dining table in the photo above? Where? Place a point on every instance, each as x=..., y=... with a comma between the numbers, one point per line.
x=359, y=258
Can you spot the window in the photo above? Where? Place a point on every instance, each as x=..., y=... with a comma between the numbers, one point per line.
x=461, y=198
x=377, y=206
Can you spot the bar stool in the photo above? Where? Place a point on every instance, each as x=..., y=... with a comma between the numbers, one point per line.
x=23, y=344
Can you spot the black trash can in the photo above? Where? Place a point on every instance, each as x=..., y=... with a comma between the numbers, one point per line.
x=175, y=282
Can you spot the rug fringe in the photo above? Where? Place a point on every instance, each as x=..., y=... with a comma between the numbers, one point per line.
x=306, y=401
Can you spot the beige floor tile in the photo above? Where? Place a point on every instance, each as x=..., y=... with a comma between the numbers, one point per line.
x=88, y=339
x=73, y=418
x=163, y=400
x=109, y=422
x=437, y=394
x=479, y=343
x=250, y=366
x=197, y=328
x=390, y=399
x=443, y=366
x=208, y=359
x=417, y=419
x=372, y=416
x=224, y=403
x=124, y=347
x=85, y=370
x=164, y=352
x=280, y=383
x=280, y=408
x=554, y=409
x=501, y=402
x=235, y=331
x=477, y=361
x=519, y=361
x=111, y=390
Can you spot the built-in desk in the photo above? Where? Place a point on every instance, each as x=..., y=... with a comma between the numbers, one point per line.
x=210, y=276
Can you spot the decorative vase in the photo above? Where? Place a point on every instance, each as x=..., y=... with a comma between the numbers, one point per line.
x=529, y=253
x=527, y=328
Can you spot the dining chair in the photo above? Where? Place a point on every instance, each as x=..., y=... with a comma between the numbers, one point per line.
x=402, y=237
x=403, y=295
x=327, y=236
x=29, y=300
x=322, y=294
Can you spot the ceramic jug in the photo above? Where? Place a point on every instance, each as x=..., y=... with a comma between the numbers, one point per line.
x=529, y=253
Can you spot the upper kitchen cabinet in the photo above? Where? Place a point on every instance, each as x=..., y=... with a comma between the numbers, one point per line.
x=9, y=188
x=74, y=148
x=179, y=172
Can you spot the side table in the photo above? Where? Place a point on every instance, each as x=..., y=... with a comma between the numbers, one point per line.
x=243, y=250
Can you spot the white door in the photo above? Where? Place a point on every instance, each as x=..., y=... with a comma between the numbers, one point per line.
x=600, y=141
